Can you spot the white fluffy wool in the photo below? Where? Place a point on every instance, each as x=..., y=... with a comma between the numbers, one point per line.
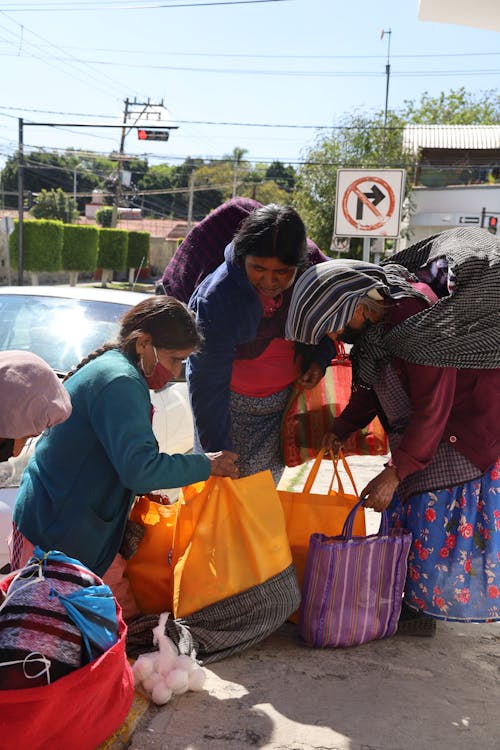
x=161, y=694
x=152, y=681
x=183, y=661
x=143, y=667
x=177, y=681
x=196, y=678
x=165, y=672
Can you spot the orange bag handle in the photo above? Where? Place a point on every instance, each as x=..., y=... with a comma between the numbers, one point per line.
x=315, y=468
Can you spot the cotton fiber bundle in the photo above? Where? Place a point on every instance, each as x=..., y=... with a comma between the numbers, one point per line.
x=164, y=673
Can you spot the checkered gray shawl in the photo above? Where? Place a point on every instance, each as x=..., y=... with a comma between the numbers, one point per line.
x=461, y=329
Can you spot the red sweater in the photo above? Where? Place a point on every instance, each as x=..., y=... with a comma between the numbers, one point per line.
x=458, y=406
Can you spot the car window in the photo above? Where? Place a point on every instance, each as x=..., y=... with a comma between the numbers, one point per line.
x=61, y=331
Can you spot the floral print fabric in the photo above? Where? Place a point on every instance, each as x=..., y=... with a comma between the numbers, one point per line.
x=454, y=561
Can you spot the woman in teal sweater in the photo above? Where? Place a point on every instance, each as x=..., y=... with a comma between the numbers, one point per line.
x=77, y=491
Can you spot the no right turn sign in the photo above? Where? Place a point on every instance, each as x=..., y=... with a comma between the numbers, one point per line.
x=368, y=202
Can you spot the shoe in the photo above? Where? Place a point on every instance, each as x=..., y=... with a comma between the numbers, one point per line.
x=413, y=622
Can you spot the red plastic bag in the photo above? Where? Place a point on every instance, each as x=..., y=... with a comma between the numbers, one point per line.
x=78, y=711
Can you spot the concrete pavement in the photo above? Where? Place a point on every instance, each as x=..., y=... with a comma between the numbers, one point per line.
x=396, y=694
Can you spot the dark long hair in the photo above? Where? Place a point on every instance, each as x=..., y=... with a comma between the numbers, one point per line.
x=169, y=322
x=273, y=231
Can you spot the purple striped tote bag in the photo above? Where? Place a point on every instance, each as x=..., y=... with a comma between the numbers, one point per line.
x=353, y=586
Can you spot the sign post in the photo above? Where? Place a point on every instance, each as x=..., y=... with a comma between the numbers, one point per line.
x=368, y=204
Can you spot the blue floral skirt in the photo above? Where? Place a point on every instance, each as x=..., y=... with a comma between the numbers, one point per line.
x=454, y=561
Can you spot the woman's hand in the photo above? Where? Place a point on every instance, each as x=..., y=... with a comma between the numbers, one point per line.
x=332, y=443
x=378, y=493
x=223, y=464
x=312, y=376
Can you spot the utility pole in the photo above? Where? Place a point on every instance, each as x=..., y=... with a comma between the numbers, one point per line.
x=118, y=184
x=190, y=201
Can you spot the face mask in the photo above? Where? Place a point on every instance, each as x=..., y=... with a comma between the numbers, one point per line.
x=159, y=375
x=352, y=335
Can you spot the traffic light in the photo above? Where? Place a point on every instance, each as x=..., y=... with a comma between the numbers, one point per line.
x=152, y=135
x=493, y=224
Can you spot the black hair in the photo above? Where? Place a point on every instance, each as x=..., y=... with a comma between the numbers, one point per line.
x=273, y=231
x=169, y=322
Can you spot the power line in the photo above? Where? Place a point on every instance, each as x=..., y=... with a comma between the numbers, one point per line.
x=70, y=60
x=99, y=6
x=289, y=73
x=162, y=53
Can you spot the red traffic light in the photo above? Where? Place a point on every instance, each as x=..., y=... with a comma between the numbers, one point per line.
x=493, y=224
x=152, y=135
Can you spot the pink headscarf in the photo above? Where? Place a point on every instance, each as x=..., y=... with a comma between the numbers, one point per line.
x=32, y=397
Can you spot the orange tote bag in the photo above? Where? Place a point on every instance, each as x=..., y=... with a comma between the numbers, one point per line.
x=230, y=535
x=310, y=512
x=150, y=570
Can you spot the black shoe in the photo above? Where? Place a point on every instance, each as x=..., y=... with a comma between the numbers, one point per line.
x=413, y=622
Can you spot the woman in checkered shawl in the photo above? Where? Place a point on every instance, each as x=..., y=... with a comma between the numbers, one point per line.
x=426, y=360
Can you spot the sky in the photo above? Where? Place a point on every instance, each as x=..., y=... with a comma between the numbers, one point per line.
x=267, y=76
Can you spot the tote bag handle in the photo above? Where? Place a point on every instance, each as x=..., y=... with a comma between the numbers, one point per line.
x=347, y=529
x=313, y=473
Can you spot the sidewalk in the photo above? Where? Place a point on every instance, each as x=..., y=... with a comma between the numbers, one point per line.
x=402, y=693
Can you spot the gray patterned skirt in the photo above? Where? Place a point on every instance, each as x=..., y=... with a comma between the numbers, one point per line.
x=255, y=431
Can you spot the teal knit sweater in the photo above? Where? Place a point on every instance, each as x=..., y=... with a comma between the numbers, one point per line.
x=77, y=491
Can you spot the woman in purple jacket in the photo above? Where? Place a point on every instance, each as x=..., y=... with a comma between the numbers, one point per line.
x=429, y=367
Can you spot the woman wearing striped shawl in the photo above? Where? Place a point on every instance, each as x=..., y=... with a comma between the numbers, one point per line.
x=426, y=360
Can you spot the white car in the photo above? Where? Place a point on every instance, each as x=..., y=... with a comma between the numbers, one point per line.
x=62, y=325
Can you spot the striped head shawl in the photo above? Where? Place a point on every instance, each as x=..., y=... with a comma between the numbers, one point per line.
x=325, y=297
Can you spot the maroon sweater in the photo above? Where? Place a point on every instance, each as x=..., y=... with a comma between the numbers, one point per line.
x=461, y=407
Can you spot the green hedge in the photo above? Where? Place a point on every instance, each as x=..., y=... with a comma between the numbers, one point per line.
x=80, y=248
x=138, y=248
x=104, y=216
x=42, y=245
x=113, y=246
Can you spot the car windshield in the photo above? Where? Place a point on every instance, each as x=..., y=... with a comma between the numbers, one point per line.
x=60, y=330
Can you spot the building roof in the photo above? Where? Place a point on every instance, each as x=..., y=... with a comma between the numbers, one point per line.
x=168, y=229
x=416, y=137
x=482, y=14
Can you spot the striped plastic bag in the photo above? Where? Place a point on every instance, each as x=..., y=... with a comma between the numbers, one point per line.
x=310, y=413
x=353, y=586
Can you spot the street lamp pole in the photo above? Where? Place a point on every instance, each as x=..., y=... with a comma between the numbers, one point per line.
x=387, y=78
x=21, y=165
x=20, y=204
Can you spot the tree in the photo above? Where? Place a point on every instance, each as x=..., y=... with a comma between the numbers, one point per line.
x=104, y=216
x=283, y=176
x=361, y=142
x=456, y=107
x=160, y=177
x=54, y=204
